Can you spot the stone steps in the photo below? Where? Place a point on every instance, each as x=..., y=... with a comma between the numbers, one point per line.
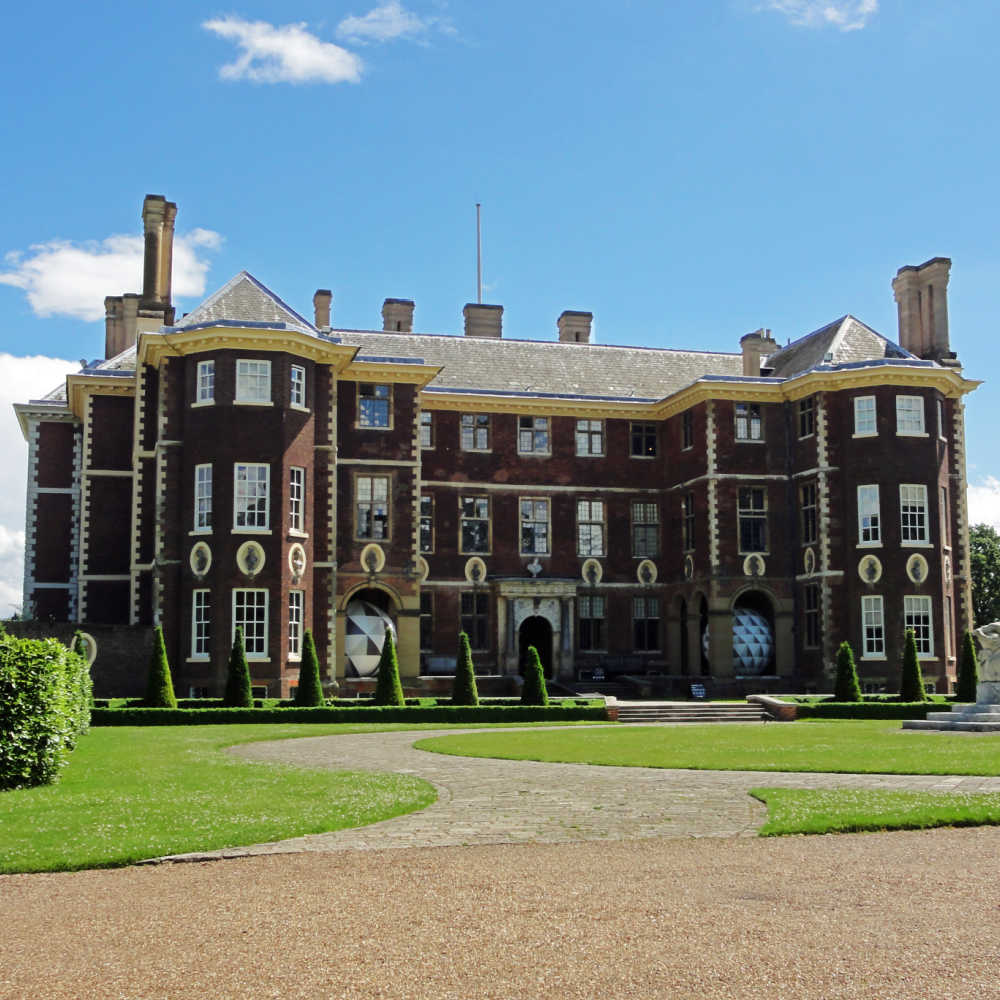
x=689, y=712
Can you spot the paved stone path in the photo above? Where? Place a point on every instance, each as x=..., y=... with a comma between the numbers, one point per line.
x=484, y=801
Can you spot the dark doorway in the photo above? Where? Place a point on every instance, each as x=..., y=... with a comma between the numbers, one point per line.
x=682, y=614
x=536, y=631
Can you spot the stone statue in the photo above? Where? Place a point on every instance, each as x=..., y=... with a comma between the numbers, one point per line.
x=988, y=689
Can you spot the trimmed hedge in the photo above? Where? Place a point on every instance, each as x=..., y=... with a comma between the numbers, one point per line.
x=449, y=714
x=870, y=709
x=45, y=699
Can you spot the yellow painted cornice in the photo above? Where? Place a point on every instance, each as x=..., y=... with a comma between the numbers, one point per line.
x=44, y=411
x=79, y=387
x=389, y=371
x=534, y=405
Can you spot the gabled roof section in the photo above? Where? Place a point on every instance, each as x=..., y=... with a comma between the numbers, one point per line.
x=845, y=341
x=545, y=368
x=244, y=301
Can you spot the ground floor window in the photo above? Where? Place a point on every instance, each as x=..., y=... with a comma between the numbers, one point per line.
x=201, y=622
x=426, y=620
x=917, y=618
x=296, y=600
x=476, y=619
x=811, y=616
x=591, y=635
x=645, y=623
x=250, y=614
x=872, y=627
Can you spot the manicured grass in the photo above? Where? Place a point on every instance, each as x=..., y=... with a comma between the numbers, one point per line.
x=868, y=747
x=132, y=793
x=849, y=810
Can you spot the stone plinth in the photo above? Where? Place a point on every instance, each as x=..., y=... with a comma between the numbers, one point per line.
x=983, y=717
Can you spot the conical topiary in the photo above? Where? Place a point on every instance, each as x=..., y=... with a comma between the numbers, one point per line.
x=911, y=683
x=464, y=691
x=309, y=693
x=159, y=686
x=534, y=691
x=239, y=693
x=388, y=688
x=846, y=687
x=968, y=671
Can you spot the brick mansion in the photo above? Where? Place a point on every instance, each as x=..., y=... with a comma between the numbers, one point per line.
x=725, y=518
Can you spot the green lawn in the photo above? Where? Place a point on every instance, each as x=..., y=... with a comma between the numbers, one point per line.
x=849, y=810
x=872, y=747
x=132, y=793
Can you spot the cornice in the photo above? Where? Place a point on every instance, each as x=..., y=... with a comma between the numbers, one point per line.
x=79, y=387
x=390, y=371
x=57, y=412
x=534, y=405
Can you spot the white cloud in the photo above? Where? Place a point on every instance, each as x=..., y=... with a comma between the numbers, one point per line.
x=984, y=502
x=61, y=278
x=846, y=15
x=285, y=53
x=21, y=379
x=388, y=22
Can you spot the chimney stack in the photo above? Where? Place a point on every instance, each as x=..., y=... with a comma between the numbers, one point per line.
x=158, y=216
x=321, y=308
x=483, y=320
x=922, y=300
x=397, y=316
x=574, y=327
x=755, y=347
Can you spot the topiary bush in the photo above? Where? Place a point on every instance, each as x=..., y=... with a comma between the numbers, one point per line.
x=239, y=693
x=534, y=691
x=45, y=698
x=309, y=693
x=911, y=682
x=846, y=687
x=160, y=686
x=388, y=688
x=464, y=690
x=968, y=670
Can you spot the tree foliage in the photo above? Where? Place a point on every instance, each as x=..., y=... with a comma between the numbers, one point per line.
x=968, y=671
x=534, y=691
x=911, y=683
x=388, y=687
x=239, y=693
x=464, y=690
x=846, y=687
x=159, y=684
x=984, y=559
x=309, y=693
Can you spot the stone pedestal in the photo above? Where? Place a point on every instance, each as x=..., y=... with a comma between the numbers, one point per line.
x=983, y=717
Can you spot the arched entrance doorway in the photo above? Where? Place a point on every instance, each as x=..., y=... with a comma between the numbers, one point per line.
x=536, y=631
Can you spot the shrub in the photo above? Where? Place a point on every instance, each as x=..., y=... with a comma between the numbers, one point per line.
x=464, y=691
x=847, y=687
x=869, y=709
x=388, y=688
x=911, y=683
x=309, y=693
x=44, y=708
x=534, y=691
x=968, y=670
x=160, y=686
x=239, y=693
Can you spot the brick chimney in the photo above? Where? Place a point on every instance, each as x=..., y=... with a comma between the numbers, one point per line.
x=321, y=308
x=482, y=320
x=574, y=327
x=922, y=300
x=756, y=346
x=397, y=315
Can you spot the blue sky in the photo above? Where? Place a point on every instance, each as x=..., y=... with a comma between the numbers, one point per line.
x=688, y=172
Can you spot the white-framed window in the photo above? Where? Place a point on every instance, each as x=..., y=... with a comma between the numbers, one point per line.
x=808, y=513
x=910, y=415
x=917, y=619
x=426, y=429
x=297, y=386
x=201, y=623
x=250, y=614
x=374, y=405
x=807, y=416
x=253, y=381
x=811, y=616
x=251, y=495
x=534, y=526
x=869, y=516
x=942, y=432
x=751, y=515
x=426, y=522
x=590, y=437
x=533, y=435
x=590, y=527
x=642, y=440
x=296, y=603
x=872, y=627
x=372, y=507
x=203, y=497
x=296, y=498
x=865, y=422
x=474, y=525
x=590, y=635
x=913, y=514
x=645, y=529
x=475, y=432
x=205, y=382
x=748, y=423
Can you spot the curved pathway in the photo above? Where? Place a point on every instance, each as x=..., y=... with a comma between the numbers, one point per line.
x=487, y=801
